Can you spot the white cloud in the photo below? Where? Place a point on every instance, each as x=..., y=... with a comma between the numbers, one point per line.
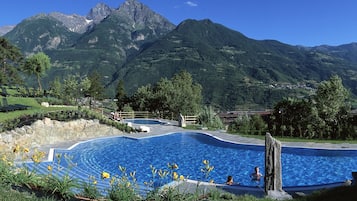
x=190, y=3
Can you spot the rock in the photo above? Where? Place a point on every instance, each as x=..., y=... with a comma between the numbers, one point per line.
x=45, y=104
x=273, y=175
x=7, y=138
x=300, y=194
x=144, y=129
x=47, y=131
x=347, y=183
x=278, y=195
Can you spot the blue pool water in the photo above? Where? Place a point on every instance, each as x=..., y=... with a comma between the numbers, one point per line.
x=300, y=166
x=144, y=121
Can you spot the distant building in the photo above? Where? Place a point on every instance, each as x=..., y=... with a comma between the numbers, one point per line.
x=230, y=116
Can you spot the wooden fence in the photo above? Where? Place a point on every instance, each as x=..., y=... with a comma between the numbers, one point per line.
x=191, y=119
x=133, y=115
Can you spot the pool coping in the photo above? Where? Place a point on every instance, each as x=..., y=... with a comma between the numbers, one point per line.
x=172, y=127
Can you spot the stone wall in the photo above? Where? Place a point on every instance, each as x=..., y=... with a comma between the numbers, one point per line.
x=47, y=131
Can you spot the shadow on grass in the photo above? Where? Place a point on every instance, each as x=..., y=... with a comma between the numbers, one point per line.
x=345, y=193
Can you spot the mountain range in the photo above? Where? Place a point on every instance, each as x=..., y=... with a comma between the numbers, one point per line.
x=137, y=45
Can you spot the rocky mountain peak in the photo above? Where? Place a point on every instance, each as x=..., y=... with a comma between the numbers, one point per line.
x=99, y=12
x=141, y=15
x=5, y=29
x=80, y=24
x=74, y=23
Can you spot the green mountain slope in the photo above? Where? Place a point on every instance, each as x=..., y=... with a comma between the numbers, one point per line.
x=41, y=33
x=346, y=51
x=233, y=69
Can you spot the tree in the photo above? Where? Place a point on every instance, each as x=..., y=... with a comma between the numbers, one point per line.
x=96, y=88
x=142, y=99
x=294, y=114
x=257, y=125
x=324, y=116
x=241, y=124
x=209, y=118
x=186, y=95
x=178, y=95
x=37, y=65
x=162, y=97
x=56, y=88
x=120, y=95
x=330, y=99
x=84, y=86
x=11, y=59
x=70, y=90
x=170, y=97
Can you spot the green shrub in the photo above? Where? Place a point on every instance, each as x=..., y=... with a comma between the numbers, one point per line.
x=210, y=119
x=64, y=115
x=5, y=170
x=123, y=187
x=60, y=187
x=90, y=189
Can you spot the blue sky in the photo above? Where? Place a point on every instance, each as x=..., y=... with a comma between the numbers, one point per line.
x=295, y=22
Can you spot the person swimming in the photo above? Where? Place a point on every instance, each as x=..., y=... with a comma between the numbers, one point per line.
x=229, y=180
x=256, y=175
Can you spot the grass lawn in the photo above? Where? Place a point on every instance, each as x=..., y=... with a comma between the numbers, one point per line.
x=290, y=139
x=34, y=107
x=9, y=194
x=283, y=139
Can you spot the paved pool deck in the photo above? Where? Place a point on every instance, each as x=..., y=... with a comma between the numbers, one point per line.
x=173, y=127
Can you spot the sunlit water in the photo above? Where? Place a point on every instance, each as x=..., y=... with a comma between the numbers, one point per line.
x=300, y=166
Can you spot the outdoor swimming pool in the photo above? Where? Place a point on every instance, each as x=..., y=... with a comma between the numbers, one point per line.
x=144, y=121
x=300, y=166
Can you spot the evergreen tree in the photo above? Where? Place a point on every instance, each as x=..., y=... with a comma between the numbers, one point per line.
x=120, y=95
x=11, y=59
x=96, y=88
